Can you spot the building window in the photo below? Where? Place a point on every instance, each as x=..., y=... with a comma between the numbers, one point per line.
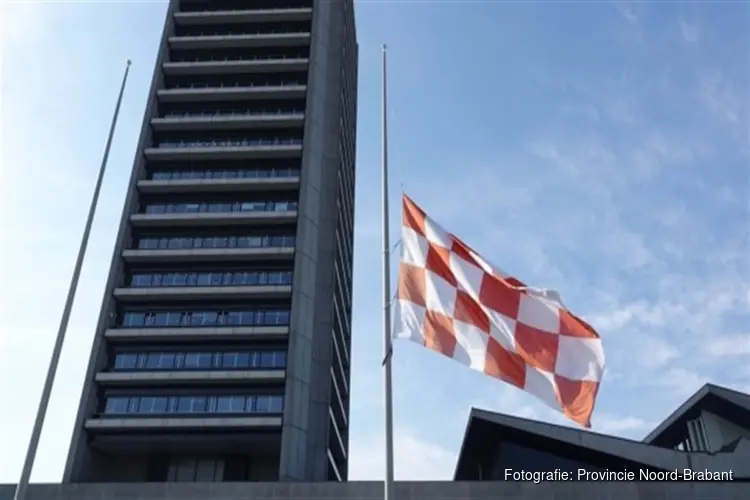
x=232, y=143
x=236, y=278
x=153, y=319
x=179, y=242
x=244, y=360
x=254, y=206
x=195, y=404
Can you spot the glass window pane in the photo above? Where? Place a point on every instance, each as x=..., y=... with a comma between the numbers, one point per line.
x=266, y=359
x=243, y=360
x=133, y=319
x=229, y=360
x=233, y=318
x=116, y=405
x=160, y=319
x=262, y=404
x=247, y=317
x=276, y=404
x=210, y=318
x=184, y=404
x=126, y=361
x=144, y=405
x=238, y=404
x=223, y=404
x=174, y=319
x=198, y=360
x=166, y=361
x=151, y=404
x=280, y=359
x=198, y=404
x=282, y=317
x=152, y=360
x=197, y=318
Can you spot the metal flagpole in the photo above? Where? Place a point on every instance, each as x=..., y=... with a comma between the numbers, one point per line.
x=36, y=432
x=388, y=486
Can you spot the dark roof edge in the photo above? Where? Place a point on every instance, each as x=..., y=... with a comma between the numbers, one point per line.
x=635, y=451
x=472, y=415
x=726, y=394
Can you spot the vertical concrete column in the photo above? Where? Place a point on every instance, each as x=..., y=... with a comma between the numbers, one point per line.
x=307, y=393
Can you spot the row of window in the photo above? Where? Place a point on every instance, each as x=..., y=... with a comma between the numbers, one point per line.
x=200, y=360
x=236, y=278
x=239, y=31
x=239, y=112
x=221, y=207
x=164, y=319
x=242, y=173
x=232, y=143
x=225, y=84
x=117, y=405
x=179, y=242
x=238, y=6
x=248, y=57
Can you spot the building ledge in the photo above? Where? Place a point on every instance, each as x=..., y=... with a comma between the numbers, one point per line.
x=234, y=66
x=213, y=219
x=224, y=152
x=216, y=333
x=244, y=40
x=138, y=256
x=206, y=377
x=184, y=423
x=203, y=293
x=228, y=122
x=203, y=94
x=242, y=16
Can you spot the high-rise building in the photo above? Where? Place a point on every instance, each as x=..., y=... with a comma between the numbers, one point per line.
x=222, y=351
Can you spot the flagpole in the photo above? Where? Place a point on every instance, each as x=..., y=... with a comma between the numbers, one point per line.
x=36, y=432
x=387, y=375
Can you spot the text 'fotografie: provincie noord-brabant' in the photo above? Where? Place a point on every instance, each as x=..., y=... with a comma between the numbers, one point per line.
x=621, y=475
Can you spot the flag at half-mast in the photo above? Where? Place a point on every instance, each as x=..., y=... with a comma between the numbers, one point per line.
x=453, y=301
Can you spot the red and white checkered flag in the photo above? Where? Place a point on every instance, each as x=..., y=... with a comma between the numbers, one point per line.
x=454, y=302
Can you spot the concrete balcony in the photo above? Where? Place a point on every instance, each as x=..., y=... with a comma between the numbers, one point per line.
x=181, y=423
x=225, y=151
x=235, y=185
x=200, y=333
x=228, y=94
x=227, y=121
x=234, y=66
x=182, y=293
x=184, y=377
x=231, y=41
x=243, y=16
x=203, y=219
x=195, y=255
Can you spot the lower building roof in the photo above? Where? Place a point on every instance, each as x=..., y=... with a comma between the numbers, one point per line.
x=486, y=428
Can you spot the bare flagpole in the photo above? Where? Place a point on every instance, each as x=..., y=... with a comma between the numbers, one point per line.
x=36, y=432
x=387, y=340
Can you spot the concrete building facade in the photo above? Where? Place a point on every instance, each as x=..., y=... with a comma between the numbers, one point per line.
x=222, y=347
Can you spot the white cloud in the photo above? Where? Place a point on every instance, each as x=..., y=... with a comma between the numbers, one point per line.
x=415, y=459
x=730, y=346
x=689, y=32
x=720, y=96
x=627, y=11
x=612, y=424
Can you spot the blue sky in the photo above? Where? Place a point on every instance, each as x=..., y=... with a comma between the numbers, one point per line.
x=598, y=148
